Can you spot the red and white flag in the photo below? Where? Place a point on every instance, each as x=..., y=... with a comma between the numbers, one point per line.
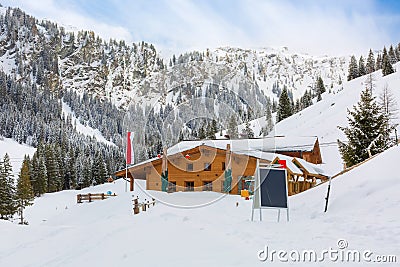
x=130, y=156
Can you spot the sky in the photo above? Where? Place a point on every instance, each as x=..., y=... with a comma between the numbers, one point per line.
x=337, y=27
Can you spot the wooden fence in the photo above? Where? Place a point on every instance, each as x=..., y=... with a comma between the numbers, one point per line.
x=91, y=197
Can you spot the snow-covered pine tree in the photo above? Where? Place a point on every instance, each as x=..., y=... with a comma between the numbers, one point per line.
x=368, y=131
x=99, y=170
x=320, y=86
x=370, y=66
x=24, y=192
x=268, y=118
x=247, y=132
x=392, y=55
x=284, y=107
x=7, y=189
x=202, y=132
x=387, y=67
x=353, y=69
x=274, y=105
x=233, y=127
x=53, y=172
x=397, y=52
x=212, y=129
x=361, y=67
x=378, y=64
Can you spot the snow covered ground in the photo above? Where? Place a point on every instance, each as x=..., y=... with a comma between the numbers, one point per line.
x=16, y=152
x=363, y=210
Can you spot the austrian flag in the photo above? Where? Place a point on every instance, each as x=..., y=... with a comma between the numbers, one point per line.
x=130, y=156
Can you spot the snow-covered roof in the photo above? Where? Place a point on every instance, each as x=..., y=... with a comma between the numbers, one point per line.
x=312, y=168
x=289, y=163
x=267, y=144
x=262, y=148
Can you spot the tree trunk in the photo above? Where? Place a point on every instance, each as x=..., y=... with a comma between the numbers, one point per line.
x=21, y=212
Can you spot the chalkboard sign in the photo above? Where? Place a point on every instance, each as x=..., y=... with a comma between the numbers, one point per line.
x=270, y=189
x=273, y=189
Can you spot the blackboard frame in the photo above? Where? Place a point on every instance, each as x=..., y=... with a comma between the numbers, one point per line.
x=259, y=194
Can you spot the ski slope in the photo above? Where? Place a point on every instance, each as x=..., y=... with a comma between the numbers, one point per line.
x=16, y=151
x=363, y=210
x=83, y=129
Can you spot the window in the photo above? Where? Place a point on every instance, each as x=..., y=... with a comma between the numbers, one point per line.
x=189, y=167
x=207, y=166
x=172, y=187
x=207, y=186
x=206, y=152
x=189, y=186
x=223, y=166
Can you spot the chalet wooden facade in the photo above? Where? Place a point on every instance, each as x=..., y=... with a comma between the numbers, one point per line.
x=202, y=166
x=310, y=154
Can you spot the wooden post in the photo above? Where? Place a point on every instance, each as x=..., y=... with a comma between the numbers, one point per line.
x=135, y=206
x=79, y=198
x=131, y=183
x=90, y=197
x=102, y=196
x=144, y=205
x=154, y=201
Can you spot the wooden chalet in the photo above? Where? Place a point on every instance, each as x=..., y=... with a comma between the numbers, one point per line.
x=202, y=165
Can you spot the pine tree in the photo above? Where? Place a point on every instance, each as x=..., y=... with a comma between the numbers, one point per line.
x=378, y=64
x=202, y=133
x=386, y=65
x=24, y=194
x=370, y=66
x=212, y=129
x=247, y=132
x=368, y=131
x=353, y=69
x=274, y=105
x=269, y=121
x=392, y=55
x=53, y=173
x=361, y=67
x=232, y=127
x=99, y=170
x=7, y=189
x=284, y=107
x=320, y=86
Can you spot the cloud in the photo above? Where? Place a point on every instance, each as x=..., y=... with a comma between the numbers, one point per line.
x=66, y=14
x=317, y=27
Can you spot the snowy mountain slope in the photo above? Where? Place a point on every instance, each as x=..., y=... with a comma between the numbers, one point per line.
x=83, y=129
x=322, y=118
x=362, y=210
x=16, y=151
x=40, y=50
x=233, y=80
